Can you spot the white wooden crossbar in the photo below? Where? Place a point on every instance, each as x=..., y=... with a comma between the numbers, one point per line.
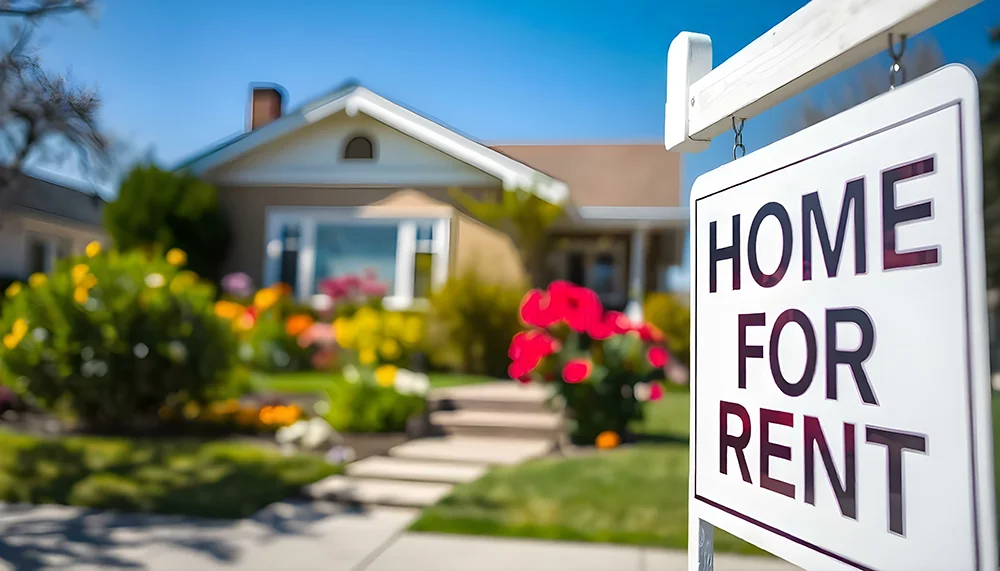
x=821, y=39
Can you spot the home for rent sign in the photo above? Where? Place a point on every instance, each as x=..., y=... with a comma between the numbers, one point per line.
x=840, y=413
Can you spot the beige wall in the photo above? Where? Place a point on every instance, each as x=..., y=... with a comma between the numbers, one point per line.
x=473, y=245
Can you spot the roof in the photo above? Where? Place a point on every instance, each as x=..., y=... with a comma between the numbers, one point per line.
x=352, y=99
x=607, y=174
x=48, y=198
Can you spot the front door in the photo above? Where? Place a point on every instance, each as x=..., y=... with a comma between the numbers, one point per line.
x=597, y=263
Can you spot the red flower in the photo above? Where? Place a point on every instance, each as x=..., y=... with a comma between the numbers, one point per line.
x=518, y=370
x=577, y=370
x=656, y=392
x=657, y=356
x=582, y=306
x=537, y=309
x=523, y=379
x=649, y=333
x=601, y=330
x=527, y=349
x=618, y=322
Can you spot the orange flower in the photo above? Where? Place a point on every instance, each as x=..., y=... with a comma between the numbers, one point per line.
x=608, y=439
x=298, y=324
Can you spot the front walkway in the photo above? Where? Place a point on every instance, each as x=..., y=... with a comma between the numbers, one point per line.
x=303, y=536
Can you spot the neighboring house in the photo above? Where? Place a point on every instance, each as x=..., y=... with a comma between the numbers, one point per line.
x=44, y=222
x=352, y=180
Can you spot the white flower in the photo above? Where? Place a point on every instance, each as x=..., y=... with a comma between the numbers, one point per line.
x=87, y=368
x=87, y=353
x=245, y=352
x=155, y=281
x=411, y=383
x=642, y=391
x=140, y=351
x=340, y=455
x=321, y=407
x=291, y=434
x=322, y=302
x=351, y=374
x=91, y=304
x=319, y=432
x=40, y=334
x=177, y=351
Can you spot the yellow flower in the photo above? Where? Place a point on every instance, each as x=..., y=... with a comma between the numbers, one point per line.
x=38, y=280
x=608, y=439
x=176, y=257
x=182, y=281
x=245, y=322
x=394, y=324
x=366, y=356
x=389, y=349
x=343, y=331
x=13, y=289
x=81, y=295
x=79, y=271
x=228, y=310
x=93, y=249
x=413, y=331
x=366, y=319
x=191, y=410
x=88, y=281
x=385, y=375
x=17, y=333
x=266, y=298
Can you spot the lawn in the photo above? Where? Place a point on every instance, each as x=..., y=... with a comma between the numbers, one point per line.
x=177, y=476
x=317, y=381
x=635, y=495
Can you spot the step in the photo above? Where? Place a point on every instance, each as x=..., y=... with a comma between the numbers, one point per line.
x=390, y=468
x=378, y=492
x=492, y=423
x=477, y=450
x=500, y=396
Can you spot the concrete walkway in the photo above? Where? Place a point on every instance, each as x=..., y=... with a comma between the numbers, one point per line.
x=300, y=536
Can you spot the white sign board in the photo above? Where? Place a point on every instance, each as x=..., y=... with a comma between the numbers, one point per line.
x=841, y=399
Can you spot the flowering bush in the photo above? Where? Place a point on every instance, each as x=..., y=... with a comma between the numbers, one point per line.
x=113, y=337
x=380, y=402
x=371, y=338
x=604, y=365
x=269, y=326
x=230, y=416
x=353, y=289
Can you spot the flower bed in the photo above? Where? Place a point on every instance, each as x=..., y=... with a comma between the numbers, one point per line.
x=604, y=366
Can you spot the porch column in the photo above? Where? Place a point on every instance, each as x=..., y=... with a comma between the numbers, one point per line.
x=636, y=275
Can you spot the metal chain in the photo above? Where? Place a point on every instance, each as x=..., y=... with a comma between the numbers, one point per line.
x=738, y=145
x=896, y=70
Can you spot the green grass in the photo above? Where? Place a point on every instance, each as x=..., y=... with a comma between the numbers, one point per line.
x=317, y=381
x=211, y=479
x=635, y=495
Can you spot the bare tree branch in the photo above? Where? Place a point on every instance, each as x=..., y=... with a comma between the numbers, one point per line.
x=35, y=9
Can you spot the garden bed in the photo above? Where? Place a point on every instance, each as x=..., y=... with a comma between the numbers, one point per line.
x=163, y=475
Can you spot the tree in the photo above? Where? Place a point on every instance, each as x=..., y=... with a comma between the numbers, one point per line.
x=868, y=80
x=520, y=214
x=989, y=110
x=160, y=209
x=40, y=112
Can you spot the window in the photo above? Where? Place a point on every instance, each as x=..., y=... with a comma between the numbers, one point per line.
x=38, y=256
x=359, y=148
x=407, y=258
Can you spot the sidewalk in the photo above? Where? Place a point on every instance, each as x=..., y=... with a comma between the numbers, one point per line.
x=300, y=536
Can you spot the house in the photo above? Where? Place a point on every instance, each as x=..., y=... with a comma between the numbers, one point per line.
x=352, y=180
x=46, y=221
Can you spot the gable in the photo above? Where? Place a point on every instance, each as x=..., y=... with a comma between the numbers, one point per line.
x=313, y=155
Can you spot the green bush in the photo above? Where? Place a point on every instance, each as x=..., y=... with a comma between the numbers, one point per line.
x=471, y=324
x=367, y=407
x=109, y=339
x=673, y=317
x=161, y=208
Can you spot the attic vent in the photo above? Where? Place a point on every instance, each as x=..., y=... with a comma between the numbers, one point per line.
x=359, y=148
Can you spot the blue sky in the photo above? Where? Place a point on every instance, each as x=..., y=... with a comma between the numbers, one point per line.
x=174, y=74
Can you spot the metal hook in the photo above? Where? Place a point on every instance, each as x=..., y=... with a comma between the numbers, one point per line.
x=897, y=69
x=738, y=145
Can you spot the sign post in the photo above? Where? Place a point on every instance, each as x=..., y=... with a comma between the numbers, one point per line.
x=841, y=413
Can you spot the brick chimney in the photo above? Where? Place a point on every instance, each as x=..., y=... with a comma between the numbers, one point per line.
x=265, y=105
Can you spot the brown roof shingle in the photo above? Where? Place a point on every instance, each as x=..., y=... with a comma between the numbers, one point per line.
x=607, y=174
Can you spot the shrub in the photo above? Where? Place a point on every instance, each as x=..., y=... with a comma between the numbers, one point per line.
x=269, y=325
x=372, y=338
x=112, y=338
x=361, y=406
x=673, y=317
x=471, y=324
x=157, y=207
x=604, y=366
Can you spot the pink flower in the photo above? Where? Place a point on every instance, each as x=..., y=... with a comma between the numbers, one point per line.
x=577, y=370
x=527, y=349
x=657, y=356
x=656, y=392
x=649, y=333
x=618, y=322
x=537, y=309
x=582, y=306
